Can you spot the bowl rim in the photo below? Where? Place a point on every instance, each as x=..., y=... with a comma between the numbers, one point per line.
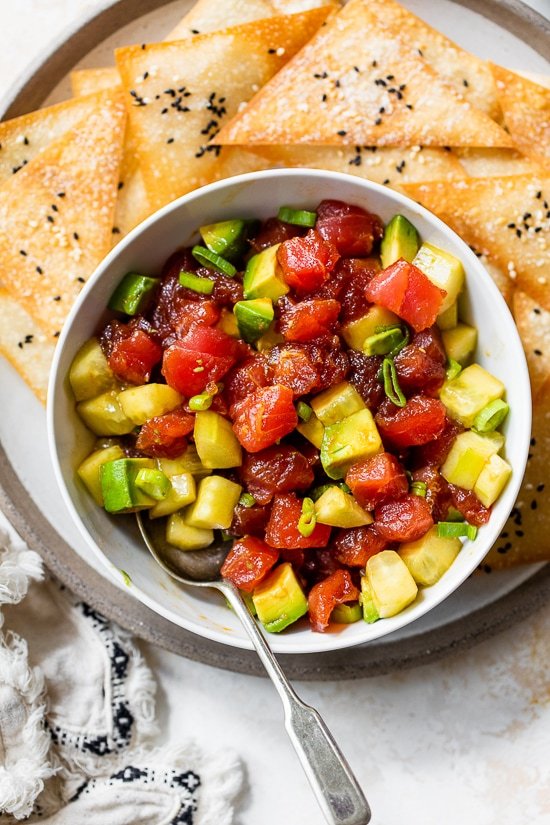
x=318, y=642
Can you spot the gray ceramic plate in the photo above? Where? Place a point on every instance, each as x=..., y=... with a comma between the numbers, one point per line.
x=482, y=607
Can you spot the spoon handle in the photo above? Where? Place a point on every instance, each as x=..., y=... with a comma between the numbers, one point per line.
x=336, y=788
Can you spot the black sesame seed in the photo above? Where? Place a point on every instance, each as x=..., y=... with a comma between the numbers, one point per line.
x=324, y=98
x=76, y=236
x=271, y=51
x=526, y=216
x=385, y=182
x=537, y=351
x=144, y=46
x=39, y=270
x=57, y=298
x=520, y=534
x=402, y=87
x=534, y=504
x=540, y=488
x=511, y=226
x=378, y=121
x=194, y=31
x=465, y=82
x=381, y=110
x=357, y=69
x=20, y=344
x=341, y=132
x=120, y=184
x=533, y=442
x=409, y=106
x=536, y=311
x=337, y=84
x=538, y=196
x=81, y=280
x=61, y=194
x=26, y=141
x=115, y=230
x=28, y=339
x=374, y=64
x=22, y=252
x=487, y=568
x=170, y=140
x=50, y=218
x=145, y=75
x=56, y=334
x=54, y=207
x=420, y=52
x=518, y=233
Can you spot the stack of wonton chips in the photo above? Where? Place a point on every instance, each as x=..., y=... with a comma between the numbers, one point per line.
x=365, y=88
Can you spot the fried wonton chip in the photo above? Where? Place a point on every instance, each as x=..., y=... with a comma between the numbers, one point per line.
x=212, y=15
x=533, y=324
x=179, y=93
x=526, y=534
x=56, y=215
x=22, y=138
x=489, y=163
x=87, y=81
x=505, y=218
x=501, y=278
x=357, y=83
x=386, y=164
x=26, y=346
x=526, y=109
x=467, y=74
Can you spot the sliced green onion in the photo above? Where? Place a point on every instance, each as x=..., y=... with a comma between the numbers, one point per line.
x=391, y=384
x=382, y=343
x=201, y=402
x=419, y=488
x=153, y=483
x=226, y=536
x=304, y=411
x=453, y=369
x=456, y=529
x=247, y=500
x=344, y=487
x=190, y=281
x=307, y=521
x=210, y=259
x=299, y=217
x=491, y=416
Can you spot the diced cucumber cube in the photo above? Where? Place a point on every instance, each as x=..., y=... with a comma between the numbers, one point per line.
x=336, y=403
x=449, y=319
x=370, y=612
x=429, y=557
x=90, y=374
x=216, y=500
x=467, y=457
x=313, y=430
x=467, y=394
x=103, y=415
x=182, y=492
x=392, y=586
x=460, y=342
x=186, y=537
x=217, y=445
x=349, y=440
x=443, y=270
x=148, y=401
x=492, y=480
x=356, y=332
x=339, y=509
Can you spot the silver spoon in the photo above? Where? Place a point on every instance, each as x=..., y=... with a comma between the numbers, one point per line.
x=337, y=790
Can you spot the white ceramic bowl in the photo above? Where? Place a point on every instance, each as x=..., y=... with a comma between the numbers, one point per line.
x=145, y=250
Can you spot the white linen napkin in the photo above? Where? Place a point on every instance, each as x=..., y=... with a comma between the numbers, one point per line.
x=77, y=717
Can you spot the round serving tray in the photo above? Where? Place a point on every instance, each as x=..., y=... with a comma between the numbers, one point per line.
x=389, y=654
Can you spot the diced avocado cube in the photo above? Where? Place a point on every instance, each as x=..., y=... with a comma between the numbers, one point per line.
x=186, y=537
x=400, y=240
x=443, y=270
x=339, y=509
x=149, y=400
x=187, y=462
x=449, y=320
x=468, y=456
x=352, y=439
x=269, y=339
x=226, y=238
x=90, y=373
x=88, y=471
x=217, y=445
x=336, y=403
x=228, y=323
x=279, y=600
x=392, y=586
x=153, y=483
x=492, y=480
x=216, y=500
x=467, y=394
x=118, y=485
x=183, y=491
x=254, y=317
x=370, y=613
x=103, y=415
x=313, y=430
x=460, y=343
x=355, y=333
x=262, y=277
x=346, y=613
x=430, y=556
x=133, y=294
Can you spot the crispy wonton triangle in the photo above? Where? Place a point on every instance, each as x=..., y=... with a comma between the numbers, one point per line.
x=389, y=165
x=212, y=15
x=26, y=346
x=467, y=74
x=56, y=215
x=179, y=93
x=357, y=83
x=526, y=534
x=526, y=109
x=489, y=163
x=87, y=81
x=506, y=218
x=533, y=323
x=22, y=138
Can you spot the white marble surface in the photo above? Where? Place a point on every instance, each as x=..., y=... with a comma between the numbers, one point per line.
x=461, y=741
